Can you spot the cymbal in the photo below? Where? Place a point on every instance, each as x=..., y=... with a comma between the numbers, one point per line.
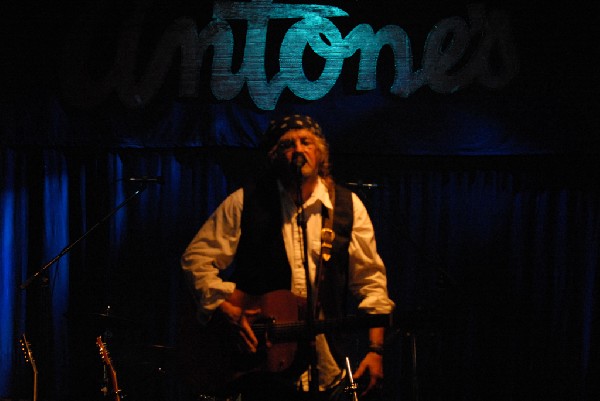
x=105, y=319
x=154, y=348
x=157, y=347
x=110, y=318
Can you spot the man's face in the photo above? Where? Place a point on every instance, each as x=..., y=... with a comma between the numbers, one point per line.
x=301, y=141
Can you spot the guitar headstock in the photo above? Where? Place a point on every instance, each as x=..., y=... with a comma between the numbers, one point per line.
x=103, y=351
x=27, y=352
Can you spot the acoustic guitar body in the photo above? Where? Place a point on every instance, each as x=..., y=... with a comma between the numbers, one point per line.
x=210, y=358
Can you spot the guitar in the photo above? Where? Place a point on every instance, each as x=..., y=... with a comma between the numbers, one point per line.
x=26, y=347
x=212, y=364
x=116, y=392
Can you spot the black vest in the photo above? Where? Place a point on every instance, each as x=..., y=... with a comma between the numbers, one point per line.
x=261, y=263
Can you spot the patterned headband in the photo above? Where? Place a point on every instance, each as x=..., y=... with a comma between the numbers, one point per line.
x=280, y=126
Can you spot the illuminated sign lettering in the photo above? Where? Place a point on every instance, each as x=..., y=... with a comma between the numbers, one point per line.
x=456, y=53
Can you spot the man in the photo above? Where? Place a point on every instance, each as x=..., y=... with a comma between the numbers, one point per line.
x=291, y=221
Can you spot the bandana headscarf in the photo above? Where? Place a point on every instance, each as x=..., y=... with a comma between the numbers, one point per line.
x=280, y=126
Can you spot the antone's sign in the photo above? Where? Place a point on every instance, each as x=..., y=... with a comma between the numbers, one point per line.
x=457, y=52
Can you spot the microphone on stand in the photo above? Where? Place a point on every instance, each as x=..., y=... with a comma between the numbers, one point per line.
x=298, y=160
x=362, y=188
x=360, y=184
x=147, y=180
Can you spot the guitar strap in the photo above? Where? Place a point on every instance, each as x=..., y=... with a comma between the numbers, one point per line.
x=327, y=237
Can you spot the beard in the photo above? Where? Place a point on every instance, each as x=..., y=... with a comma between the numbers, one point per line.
x=290, y=174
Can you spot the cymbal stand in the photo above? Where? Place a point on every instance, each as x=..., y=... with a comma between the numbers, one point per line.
x=104, y=388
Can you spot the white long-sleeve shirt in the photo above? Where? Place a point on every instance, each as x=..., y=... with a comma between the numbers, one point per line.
x=214, y=248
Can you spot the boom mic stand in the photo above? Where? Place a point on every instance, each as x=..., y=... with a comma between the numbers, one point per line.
x=68, y=248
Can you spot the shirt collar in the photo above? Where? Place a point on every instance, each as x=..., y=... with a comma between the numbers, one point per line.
x=319, y=194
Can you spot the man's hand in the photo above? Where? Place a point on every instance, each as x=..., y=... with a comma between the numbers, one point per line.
x=239, y=319
x=372, y=365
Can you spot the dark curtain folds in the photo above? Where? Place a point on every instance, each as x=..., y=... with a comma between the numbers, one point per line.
x=501, y=264
x=492, y=262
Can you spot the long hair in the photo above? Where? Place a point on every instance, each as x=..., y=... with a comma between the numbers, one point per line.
x=325, y=164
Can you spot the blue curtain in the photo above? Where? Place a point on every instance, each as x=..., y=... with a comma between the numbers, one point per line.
x=497, y=266
x=13, y=257
x=55, y=236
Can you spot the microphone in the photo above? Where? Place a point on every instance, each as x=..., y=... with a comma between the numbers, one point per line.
x=361, y=184
x=298, y=160
x=147, y=180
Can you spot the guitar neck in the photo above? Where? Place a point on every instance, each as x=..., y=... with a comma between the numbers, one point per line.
x=111, y=370
x=300, y=330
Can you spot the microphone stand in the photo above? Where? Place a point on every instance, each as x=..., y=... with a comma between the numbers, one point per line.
x=313, y=372
x=68, y=248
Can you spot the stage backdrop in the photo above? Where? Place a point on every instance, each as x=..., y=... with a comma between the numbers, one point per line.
x=470, y=131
